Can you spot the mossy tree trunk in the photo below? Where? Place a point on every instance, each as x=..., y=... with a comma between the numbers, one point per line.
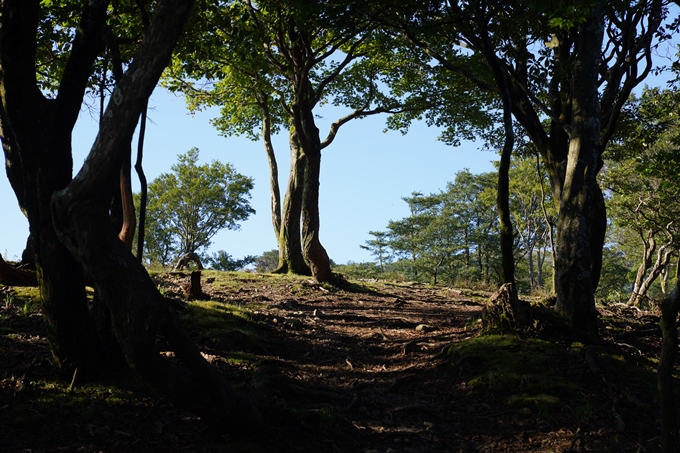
x=669, y=350
x=310, y=143
x=137, y=309
x=290, y=245
x=36, y=136
x=575, y=278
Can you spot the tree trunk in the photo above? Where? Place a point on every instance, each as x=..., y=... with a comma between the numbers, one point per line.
x=549, y=223
x=127, y=230
x=144, y=188
x=649, y=249
x=274, y=190
x=313, y=251
x=669, y=347
x=540, y=260
x=520, y=309
x=192, y=288
x=28, y=255
x=290, y=245
x=138, y=311
x=36, y=135
x=663, y=257
x=575, y=294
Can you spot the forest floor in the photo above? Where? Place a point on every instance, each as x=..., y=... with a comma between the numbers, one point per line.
x=377, y=368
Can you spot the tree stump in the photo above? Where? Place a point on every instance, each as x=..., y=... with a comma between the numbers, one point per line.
x=192, y=288
x=506, y=309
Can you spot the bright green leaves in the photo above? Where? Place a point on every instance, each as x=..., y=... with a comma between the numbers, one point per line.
x=189, y=206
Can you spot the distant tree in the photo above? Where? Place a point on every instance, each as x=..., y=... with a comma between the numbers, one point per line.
x=452, y=234
x=193, y=203
x=222, y=261
x=533, y=225
x=379, y=247
x=267, y=262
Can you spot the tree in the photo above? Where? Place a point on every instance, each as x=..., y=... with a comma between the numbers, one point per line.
x=297, y=58
x=267, y=262
x=193, y=203
x=222, y=261
x=569, y=80
x=70, y=218
x=644, y=200
x=451, y=234
x=533, y=225
x=379, y=247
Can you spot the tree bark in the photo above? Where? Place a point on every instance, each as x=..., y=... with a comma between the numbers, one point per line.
x=290, y=245
x=138, y=311
x=274, y=190
x=127, y=230
x=575, y=293
x=36, y=136
x=663, y=257
x=144, y=188
x=669, y=347
x=310, y=143
x=192, y=288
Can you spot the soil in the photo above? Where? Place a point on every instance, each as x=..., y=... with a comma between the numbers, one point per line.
x=358, y=370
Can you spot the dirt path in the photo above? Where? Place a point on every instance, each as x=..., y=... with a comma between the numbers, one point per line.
x=371, y=364
x=342, y=371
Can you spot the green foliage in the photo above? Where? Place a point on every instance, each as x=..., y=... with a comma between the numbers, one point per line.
x=267, y=262
x=641, y=179
x=362, y=271
x=187, y=207
x=450, y=236
x=529, y=196
x=222, y=261
x=616, y=276
x=379, y=247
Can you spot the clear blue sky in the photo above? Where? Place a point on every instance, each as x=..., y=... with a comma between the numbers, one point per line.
x=364, y=174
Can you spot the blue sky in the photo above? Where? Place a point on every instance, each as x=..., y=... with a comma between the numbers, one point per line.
x=364, y=174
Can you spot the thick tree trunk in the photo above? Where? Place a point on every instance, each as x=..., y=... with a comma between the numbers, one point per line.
x=36, y=135
x=313, y=251
x=575, y=294
x=669, y=350
x=138, y=311
x=290, y=244
x=192, y=288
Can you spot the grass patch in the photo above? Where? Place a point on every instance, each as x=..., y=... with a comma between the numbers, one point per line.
x=528, y=375
x=224, y=326
x=44, y=401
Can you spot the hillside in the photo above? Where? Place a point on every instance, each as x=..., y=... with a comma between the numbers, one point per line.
x=380, y=367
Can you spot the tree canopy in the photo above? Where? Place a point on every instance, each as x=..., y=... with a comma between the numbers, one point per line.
x=190, y=205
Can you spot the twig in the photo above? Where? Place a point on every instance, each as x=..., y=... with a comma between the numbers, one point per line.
x=73, y=381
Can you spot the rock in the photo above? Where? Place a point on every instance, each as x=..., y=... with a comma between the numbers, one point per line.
x=424, y=328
